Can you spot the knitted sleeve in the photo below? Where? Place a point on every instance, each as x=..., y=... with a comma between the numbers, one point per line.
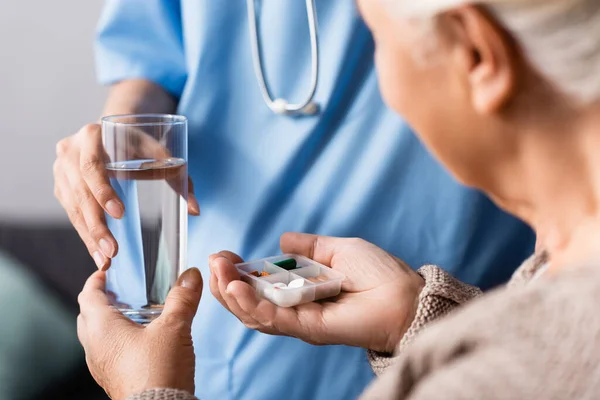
x=442, y=293
x=163, y=394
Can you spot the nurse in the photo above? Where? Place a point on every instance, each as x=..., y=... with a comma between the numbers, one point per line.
x=344, y=166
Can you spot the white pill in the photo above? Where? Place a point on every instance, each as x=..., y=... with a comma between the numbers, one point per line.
x=296, y=283
x=279, y=285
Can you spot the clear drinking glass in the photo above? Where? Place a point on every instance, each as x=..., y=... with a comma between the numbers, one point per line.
x=146, y=161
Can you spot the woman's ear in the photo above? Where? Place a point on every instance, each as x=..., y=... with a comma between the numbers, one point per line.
x=490, y=57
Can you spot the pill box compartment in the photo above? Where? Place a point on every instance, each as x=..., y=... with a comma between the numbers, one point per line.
x=320, y=282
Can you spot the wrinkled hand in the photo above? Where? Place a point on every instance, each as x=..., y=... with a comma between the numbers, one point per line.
x=126, y=358
x=377, y=304
x=82, y=186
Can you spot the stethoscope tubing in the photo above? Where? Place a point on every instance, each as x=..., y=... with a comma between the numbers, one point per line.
x=278, y=105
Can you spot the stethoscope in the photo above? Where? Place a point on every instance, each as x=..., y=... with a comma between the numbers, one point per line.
x=281, y=106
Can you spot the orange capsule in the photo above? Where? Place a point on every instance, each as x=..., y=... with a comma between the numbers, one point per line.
x=255, y=273
x=264, y=273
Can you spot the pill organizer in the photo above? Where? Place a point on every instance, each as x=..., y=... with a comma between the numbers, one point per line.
x=289, y=280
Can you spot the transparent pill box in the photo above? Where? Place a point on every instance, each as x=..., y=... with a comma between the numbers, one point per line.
x=308, y=280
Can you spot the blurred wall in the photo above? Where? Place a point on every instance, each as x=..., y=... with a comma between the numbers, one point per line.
x=47, y=91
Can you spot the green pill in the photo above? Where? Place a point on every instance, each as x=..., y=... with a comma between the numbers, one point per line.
x=288, y=264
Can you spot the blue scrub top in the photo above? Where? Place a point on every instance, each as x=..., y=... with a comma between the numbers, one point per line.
x=354, y=170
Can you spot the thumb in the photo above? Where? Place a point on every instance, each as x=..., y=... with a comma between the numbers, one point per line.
x=183, y=299
x=319, y=248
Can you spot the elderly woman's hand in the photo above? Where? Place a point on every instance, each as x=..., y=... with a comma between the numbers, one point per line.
x=126, y=358
x=377, y=304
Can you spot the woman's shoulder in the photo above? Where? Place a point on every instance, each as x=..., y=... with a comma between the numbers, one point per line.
x=533, y=341
x=529, y=269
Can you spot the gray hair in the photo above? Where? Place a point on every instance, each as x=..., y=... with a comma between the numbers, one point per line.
x=560, y=38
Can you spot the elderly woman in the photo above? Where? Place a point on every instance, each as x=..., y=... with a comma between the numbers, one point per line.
x=506, y=94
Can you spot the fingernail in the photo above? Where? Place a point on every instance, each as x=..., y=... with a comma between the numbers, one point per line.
x=192, y=279
x=114, y=209
x=99, y=259
x=107, y=248
x=194, y=206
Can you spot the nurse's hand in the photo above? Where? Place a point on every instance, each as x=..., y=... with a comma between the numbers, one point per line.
x=82, y=186
x=377, y=305
x=126, y=358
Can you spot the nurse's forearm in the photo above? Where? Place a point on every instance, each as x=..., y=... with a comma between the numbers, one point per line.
x=138, y=96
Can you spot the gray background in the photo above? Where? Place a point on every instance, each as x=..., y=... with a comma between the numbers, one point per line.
x=47, y=91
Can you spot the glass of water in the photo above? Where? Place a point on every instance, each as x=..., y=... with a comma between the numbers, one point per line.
x=146, y=161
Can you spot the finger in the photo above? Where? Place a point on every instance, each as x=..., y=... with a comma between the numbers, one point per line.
x=147, y=147
x=305, y=321
x=92, y=161
x=242, y=316
x=224, y=269
x=269, y=317
x=247, y=301
x=316, y=247
x=193, y=205
x=97, y=313
x=77, y=220
x=95, y=283
x=183, y=299
x=93, y=301
x=96, y=223
x=67, y=162
x=214, y=289
x=222, y=272
x=234, y=258
x=93, y=215
x=214, y=281
x=181, y=186
x=225, y=272
x=94, y=290
x=62, y=191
